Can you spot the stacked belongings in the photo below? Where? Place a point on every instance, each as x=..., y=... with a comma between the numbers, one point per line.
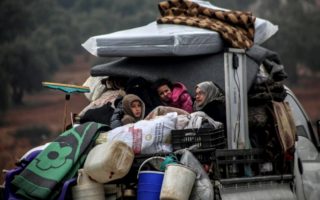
x=167, y=37
x=103, y=93
x=270, y=118
x=112, y=157
x=185, y=131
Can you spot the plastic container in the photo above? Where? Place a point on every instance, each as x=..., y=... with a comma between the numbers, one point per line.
x=87, y=188
x=109, y=161
x=177, y=182
x=88, y=191
x=149, y=182
x=203, y=138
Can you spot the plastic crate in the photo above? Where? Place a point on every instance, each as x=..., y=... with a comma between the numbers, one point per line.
x=239, y=163
x=203, y=138
x=204, y=156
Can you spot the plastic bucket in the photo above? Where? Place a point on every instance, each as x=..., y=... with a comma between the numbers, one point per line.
x=177, y=182
x=93, y=191
x=149, y=183
x=87, y=188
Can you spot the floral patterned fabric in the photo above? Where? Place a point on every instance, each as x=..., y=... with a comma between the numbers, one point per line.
x=57, y=163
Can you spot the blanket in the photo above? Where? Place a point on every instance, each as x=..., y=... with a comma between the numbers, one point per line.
x=286, y=129
x=58, y=162
x=235, y=27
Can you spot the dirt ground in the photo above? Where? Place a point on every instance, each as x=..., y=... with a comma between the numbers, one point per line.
x=47, y=109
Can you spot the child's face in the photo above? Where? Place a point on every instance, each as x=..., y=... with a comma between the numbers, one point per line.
x=136, y=108
x=164, y=93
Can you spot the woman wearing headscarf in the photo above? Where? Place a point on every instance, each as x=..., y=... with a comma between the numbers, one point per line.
x=210, y=99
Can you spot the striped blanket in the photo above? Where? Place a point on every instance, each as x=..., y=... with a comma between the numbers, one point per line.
x=235, y=27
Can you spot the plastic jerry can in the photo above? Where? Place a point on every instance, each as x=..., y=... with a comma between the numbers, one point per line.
x=109, y=161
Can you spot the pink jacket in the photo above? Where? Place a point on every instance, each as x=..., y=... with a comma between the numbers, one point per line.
x=181, y=98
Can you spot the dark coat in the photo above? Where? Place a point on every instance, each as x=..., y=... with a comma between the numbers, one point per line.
x=117, y=114
x=216, y=109
x=101, y=115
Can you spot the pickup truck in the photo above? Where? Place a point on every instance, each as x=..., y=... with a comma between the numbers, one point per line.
x=300, y=182
x=146, y=53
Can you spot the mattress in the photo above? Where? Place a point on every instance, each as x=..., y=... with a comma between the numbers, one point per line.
x=168, y=40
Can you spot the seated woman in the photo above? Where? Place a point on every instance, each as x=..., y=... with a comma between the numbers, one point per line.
x=173, y=95
x=210, y=99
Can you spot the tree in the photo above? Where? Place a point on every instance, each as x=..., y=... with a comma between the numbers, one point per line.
x=297, y=39
x=25, y=69
x=14, y=21
x=4, y=88
x=36, y=37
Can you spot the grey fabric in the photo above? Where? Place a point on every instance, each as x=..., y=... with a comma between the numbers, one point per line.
x=270, y=60
x=189, y=70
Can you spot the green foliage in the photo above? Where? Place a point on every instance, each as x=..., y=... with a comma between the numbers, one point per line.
x=46, y=48
x=14, y=20
x=298, y=21
x=242, y=5
x=66, y=3
x=49, y=33
x=24, y=67
x=4, y=94
x=37, y=37
x=297, y=39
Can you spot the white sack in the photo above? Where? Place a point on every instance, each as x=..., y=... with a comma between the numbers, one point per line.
x=147, y=136
x=96, y=88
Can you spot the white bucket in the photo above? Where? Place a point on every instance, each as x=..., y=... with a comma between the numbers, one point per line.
x=83, y=178
x=177, y=182
x=109, y=161
x=88, y=191
x=87, y=188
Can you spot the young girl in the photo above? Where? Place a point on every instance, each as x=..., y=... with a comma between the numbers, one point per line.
x=130, y=110
x=174, y=95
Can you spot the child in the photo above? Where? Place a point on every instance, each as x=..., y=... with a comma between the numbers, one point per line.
x=141, y=87
x=130, y=110
x=174, y=95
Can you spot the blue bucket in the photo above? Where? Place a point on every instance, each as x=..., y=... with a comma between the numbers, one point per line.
x=149, y=183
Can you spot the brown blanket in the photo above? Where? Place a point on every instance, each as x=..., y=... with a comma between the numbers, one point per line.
x=235, y=27
x=286, y=129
